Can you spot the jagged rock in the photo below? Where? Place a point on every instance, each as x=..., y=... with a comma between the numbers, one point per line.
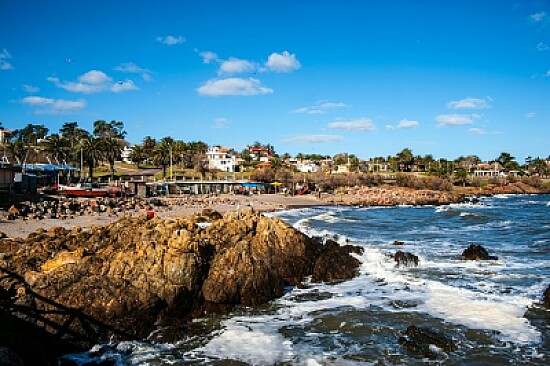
x=477, y=252
x=125, y=279
x=398, y=243
x=405, y=259
x=421, y=341
x=546, y=297
x=335, y=264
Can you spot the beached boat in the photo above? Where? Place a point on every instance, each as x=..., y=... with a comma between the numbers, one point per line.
x=83, y=190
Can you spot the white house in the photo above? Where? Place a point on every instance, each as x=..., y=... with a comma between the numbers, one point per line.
x=125, y=154
x=306, y=166
x=219, y=158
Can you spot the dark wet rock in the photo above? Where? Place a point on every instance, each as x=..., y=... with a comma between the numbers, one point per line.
x=123, y=280
x=546, y=297
x=424, y=342
x=477, y=252
x=335, y=264
x=398, y=243
x=405, y=259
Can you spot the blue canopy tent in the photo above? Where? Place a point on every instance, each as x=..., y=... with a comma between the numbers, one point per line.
x=47, y=174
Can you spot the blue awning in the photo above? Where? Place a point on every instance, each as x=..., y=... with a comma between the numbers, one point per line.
x=48, y=167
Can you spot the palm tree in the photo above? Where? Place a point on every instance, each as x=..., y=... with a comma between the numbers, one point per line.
x=137, y=155
x=112, y=149
x=92, y=151
x=461, y=175
x=148, y=147
x=162, y=152
x=57, y=147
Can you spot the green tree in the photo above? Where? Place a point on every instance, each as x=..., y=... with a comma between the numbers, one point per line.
x=405, y=159
x=56, y=147
x=161, y=154
x=137, y=155
x=92, y=152
x=461, y=176
x=112, y=150
x=505, y=159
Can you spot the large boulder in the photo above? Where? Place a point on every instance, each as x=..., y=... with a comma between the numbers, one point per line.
x=405, y=259
x=477, y=252
x=124, y=279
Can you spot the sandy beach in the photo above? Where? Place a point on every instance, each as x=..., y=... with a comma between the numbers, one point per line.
x=174, y=207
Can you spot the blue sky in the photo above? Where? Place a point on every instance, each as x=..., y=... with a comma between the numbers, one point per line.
x=447, y=78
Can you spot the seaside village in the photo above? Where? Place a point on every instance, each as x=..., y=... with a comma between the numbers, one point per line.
x=77, y=163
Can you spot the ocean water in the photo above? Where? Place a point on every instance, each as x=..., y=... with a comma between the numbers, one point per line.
x=489, y=309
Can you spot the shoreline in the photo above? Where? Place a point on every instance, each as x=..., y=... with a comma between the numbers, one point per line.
x=173, y=207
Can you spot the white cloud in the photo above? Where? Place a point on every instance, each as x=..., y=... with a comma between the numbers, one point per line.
x=282, y=62
x=236, y=66
x=171, y=40
x=405, y=123
x=123, y=86
x=530, y=115
x=31, y=89
x=470, y=103
x=94, y=81
x=537, y=17
x=312, y=139
x=5, y=65
x=320, y=108
x=362, y=124
x=547, y=74
x=456, y=119
x=476, y=131
x=542, y=47
x=220, y=122
x=53, y=106
x=233, y=86
x=132, y=68
x=389, y=127
x=208, y=57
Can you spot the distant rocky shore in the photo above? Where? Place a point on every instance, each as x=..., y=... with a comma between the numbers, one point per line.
x=393, y=196
x=121, y=281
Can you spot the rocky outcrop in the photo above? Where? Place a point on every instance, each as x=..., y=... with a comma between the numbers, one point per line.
x=421, y=341
x=477, y=252
x=546, y=297
x=405, y=259
x=124, y=279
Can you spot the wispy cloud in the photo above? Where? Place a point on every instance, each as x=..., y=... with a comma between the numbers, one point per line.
x=471, y=103
x=171, y=40
x=282, y=62
x=94, y=81
x=233, y=86
x=236, y=66
x=405, y=123
x=312, y=139
x=5, y=55
x=542, y=47
x=31, y=89
x=208, y=57
x=362, y=124
x=54, y=106
x=456, y=119
x=538, y=17
x=132, y=68
x=530, y=115
x=477, y=131
x=320, y=107
x=220, y=122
